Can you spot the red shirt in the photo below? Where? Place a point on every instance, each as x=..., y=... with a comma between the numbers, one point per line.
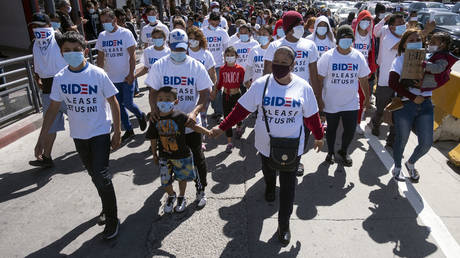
x=230, y=77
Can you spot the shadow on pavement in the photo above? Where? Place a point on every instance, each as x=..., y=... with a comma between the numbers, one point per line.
x=12, y=183
x=239, y=171
x=320, y=189
x=393, y=220
x=137, y=236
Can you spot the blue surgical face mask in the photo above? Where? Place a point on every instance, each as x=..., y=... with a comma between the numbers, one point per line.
x=158, y=42
x=399, y=30
x=244, y=37
x=364, y=24
x=178, y=56
x=91, y=11
x=56, y=25
x=345, y=43
x=263, y=40
x=74, y=59
x=321, y=31
x=212, y=27
x=108, y=26
x=152, y=19
x=165, y=106
x=414, y=45
x=280, y=32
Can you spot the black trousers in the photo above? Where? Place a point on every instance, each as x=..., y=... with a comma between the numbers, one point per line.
x=228, y=103
x=383, y=96
x=193, y=141
x=287, y=189
x=94, y=153
x=349, y=123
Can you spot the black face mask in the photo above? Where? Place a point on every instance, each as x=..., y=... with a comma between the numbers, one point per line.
x=280, y=71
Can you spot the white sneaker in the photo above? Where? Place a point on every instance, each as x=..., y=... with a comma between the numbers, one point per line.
x=169, y=204
x=398, y=174
x=181, y=203
x=201, y=199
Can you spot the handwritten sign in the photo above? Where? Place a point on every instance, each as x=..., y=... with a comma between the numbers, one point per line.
x=412, y=67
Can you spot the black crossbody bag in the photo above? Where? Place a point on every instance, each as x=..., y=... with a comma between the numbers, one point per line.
x=283, y=151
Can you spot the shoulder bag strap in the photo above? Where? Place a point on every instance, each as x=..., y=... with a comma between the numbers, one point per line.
x=262, y=105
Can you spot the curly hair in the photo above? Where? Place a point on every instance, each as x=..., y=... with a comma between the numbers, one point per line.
x=195, y=31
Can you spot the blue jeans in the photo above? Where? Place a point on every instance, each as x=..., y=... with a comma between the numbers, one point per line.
x=216, y=104
x=419, y=116
x=125, y=100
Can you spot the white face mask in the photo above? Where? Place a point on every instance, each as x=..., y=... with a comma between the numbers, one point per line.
x=382, y=16
x=432, y=48
x=230, y=59
x=298, y=31
x=194, y=43
x=413, y=19
x=216, y=10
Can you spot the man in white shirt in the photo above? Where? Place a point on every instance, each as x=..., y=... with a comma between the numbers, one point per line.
x=88, y=93
x=217, y=43
x=146, y=32
x=192, y=82
x=306, y=55
x=116, y=54
x=215, y=8
x=390, y=35
x=48, y=62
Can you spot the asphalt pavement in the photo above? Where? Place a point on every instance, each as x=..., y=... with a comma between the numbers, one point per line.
x=339, y=211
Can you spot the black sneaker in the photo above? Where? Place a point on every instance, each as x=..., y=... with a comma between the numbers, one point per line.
x=142, y=122
x=330, y=158
x=413, y=173
x=284, y=235
x=269, y=195
x=300, y=170
x=101, y=219
x=347, y=161
x=44, y=163
x=111, y=229
x=128, y=135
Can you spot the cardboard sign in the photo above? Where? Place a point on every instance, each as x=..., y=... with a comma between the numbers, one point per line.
x=412, y=68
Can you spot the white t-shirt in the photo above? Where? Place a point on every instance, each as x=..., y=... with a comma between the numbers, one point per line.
x=188, y=78
x=386, y=55
x=363, y=44
x=306, y=53
x=204, y=56
x=243, y=49
x=116, y=57
x=286, y=106
x=151, y=55
x=48, y=60
x=85, y=94
x=233, y=39
x=322, y=45
x=223, y=23
x=146, y=32
x=397, y=66
x=341, y=79
x=255, y=63
x=217, y=42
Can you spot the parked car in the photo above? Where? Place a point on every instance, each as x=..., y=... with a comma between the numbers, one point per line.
x=456, y=8
x=342, y=14
x=417, y=6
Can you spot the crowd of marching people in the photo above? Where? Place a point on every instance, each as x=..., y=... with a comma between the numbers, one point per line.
x=290, y=65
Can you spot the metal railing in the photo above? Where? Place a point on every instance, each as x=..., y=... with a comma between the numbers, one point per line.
x=20, y=94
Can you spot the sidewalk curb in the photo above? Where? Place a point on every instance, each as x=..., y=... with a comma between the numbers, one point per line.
x=20, y=129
